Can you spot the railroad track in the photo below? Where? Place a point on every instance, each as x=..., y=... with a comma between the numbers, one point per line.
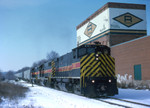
x=124, y=103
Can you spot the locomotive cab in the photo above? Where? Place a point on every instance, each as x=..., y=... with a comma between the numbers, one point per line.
x=83, y=50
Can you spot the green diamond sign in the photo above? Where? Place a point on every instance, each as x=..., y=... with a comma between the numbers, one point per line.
x=128, y=19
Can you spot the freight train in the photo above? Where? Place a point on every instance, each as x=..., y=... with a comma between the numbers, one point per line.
x=87, y=70
x=25, y=75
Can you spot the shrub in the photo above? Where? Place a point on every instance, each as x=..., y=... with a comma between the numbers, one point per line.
x=126, y=81
x=12, y=91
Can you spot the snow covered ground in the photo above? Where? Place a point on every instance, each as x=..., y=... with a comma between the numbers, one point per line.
x=44, y=97
x=142, y=96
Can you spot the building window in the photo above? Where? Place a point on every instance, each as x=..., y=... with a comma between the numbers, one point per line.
x=137, y=72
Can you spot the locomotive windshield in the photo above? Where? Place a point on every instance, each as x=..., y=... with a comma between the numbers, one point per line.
x=88, y=49
x=82, y=51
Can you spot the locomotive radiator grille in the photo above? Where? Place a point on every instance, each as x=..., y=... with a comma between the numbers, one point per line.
x=101, y=65
x=107, y=65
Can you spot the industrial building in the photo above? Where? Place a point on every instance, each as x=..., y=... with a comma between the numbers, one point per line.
x=133, y=58
x=122, y=27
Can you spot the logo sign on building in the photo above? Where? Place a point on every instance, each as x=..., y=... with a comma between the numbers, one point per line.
x=128, y=19
x=90, y=29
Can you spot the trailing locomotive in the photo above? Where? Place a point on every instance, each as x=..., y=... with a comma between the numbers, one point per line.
x=88, y=70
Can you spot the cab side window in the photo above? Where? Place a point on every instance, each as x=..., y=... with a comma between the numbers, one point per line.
x=74, y=53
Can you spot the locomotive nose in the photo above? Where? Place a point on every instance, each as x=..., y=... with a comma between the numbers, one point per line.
x=103, y=88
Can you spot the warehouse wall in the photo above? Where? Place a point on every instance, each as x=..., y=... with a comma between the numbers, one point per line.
x=120, y=38
x=104, y=40
x=133, y=53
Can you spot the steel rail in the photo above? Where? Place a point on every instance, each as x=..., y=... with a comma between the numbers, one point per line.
x=130, y=101
x=113, y=103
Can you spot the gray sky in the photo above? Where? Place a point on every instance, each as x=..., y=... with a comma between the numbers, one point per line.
x=29, y=29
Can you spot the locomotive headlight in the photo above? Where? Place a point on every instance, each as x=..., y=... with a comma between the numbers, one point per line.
x=109, y=80
x=96, y=55
x=93, y=81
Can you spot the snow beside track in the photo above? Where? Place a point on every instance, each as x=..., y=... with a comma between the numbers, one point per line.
x=141, y=96
x=44, y=97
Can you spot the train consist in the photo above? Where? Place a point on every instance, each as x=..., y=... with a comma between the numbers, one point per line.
x=88, y=70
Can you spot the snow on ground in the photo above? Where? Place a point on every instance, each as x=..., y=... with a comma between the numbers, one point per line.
x=44, y=97
x=141, y=96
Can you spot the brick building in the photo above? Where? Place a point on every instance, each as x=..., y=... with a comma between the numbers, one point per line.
x=133, y=58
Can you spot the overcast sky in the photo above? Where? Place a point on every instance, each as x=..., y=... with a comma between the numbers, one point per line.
x=29, y=29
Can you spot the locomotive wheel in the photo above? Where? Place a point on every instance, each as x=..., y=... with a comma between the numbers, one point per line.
x=76, y=89
x=69, y=87
x=56, y=85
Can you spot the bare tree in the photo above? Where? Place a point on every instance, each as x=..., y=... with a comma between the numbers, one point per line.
x=10, y=75
x=1, y=76
x=35, y=64
x=41, y=62
x=52, y=55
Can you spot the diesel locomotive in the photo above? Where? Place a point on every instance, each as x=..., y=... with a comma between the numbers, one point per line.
x=87, y=70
